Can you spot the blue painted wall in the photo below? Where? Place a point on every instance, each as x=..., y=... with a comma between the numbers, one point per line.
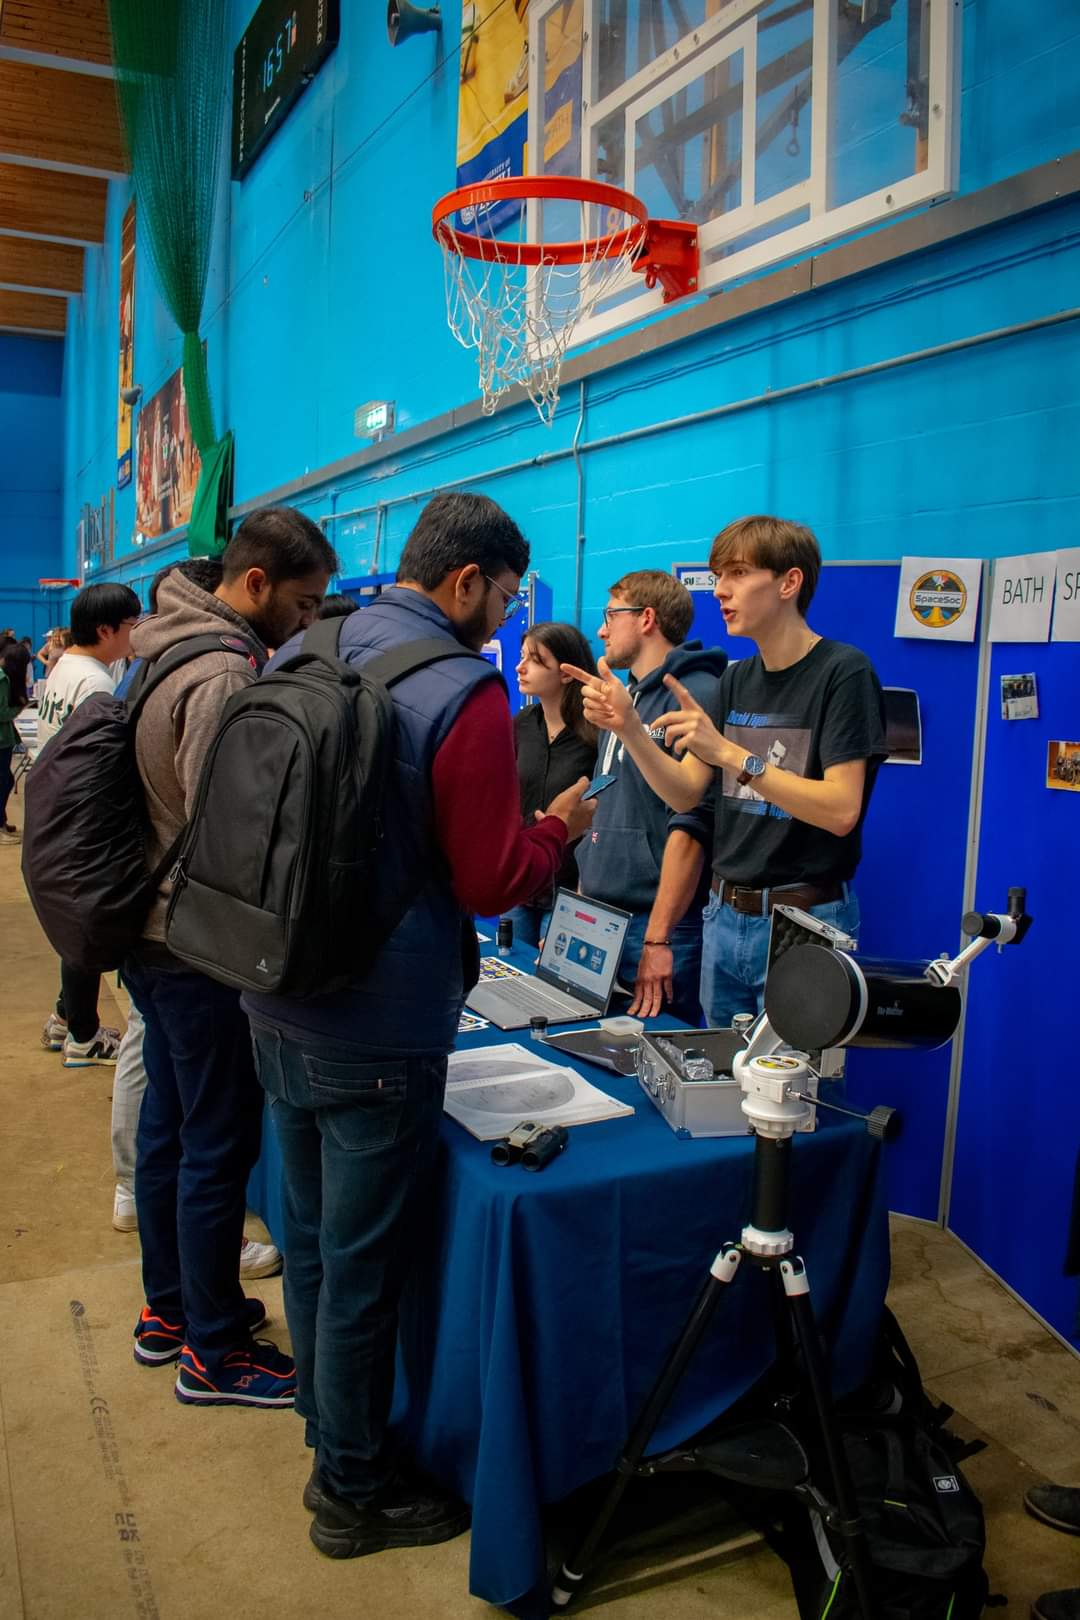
x=31, y=474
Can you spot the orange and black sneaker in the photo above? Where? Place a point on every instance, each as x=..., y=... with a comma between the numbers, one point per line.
x=158, y=1341
x=257, y=1375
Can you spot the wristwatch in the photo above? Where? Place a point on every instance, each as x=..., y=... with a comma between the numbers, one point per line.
x=753, y=765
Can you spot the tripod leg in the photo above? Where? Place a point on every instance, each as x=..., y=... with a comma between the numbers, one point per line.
x=797, y=1289
x=722, y=1272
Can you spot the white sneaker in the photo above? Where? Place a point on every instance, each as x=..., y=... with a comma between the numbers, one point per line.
x=124, y=1218
x=10, y=835
x=259, y=1259
x=100, y=1048
x=54, y=1033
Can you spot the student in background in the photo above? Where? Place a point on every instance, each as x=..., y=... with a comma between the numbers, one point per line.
x=52, y=650
x=9, y=708
x=639, y=855
x=102, y=619
x=555, y=745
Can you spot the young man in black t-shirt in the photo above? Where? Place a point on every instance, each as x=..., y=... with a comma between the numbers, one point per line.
x=795, y=742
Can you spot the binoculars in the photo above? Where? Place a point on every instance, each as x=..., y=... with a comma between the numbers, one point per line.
x=530, y=1145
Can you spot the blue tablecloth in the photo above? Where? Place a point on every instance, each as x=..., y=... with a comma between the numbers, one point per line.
x=546, y=1304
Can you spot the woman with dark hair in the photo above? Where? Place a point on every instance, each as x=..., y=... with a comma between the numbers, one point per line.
x=555, y=745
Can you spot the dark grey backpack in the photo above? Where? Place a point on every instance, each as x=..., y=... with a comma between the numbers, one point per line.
x=272, y=885
x=84, y=847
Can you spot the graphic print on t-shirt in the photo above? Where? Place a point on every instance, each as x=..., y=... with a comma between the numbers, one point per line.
x=780, y=741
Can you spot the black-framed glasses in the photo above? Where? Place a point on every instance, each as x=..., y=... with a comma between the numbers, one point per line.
x=512, y=600
x=610, y=612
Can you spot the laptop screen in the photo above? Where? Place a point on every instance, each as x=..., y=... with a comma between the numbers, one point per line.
x=582, y=947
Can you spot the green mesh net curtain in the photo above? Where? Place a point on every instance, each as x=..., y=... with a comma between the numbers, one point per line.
x=172, y=68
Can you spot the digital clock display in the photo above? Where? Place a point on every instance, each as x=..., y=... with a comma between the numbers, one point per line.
x=282, y=49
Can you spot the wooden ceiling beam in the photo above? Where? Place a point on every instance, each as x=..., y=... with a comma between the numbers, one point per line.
x=32, y=312
x=42, y=202
x=75, y=30
x=45, y=267
x=64, y=121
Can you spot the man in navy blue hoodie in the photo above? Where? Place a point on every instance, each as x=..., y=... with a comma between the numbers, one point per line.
x=639, y=855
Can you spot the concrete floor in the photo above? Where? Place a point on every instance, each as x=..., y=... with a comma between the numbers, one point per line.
x=115, y=1501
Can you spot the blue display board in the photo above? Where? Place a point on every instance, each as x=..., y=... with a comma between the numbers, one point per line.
x=1018, y=1130
x=910, y=883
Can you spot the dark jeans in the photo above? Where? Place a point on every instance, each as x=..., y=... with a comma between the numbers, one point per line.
x=200, y=1128
x=7, y=781
x=358, y=1137
x=686, y=963
x=77, y=1002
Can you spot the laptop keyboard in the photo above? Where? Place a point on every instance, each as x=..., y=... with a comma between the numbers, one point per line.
x=531, y=997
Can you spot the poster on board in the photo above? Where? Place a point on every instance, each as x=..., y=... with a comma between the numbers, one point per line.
x=127, y=345
x=1023, y=596
x=1067, y=596
x=169, y=462
x=493, y=97
x=938, y=598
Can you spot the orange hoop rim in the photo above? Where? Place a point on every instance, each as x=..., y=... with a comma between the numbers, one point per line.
x=522, y=188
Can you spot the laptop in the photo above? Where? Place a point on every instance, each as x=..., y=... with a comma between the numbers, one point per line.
x=574, y=977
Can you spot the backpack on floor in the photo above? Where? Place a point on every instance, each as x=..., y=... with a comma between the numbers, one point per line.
x=272, y=885
x=84, y=841
x=923, y=1522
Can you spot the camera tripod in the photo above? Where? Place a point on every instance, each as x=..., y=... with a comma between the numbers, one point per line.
x=765, y=1454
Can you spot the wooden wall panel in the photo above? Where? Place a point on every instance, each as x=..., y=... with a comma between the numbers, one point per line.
x=78, y=29
x=32, y=312
x=45, y=265
x=60, y=117
x=45, y=202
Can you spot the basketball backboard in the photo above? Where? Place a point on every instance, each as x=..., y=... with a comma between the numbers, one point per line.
x=774, y=125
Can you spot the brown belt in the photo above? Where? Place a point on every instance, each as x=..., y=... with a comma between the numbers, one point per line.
x=759, y=902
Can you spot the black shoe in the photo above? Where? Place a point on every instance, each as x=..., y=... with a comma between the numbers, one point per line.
x=1057, y=1605
x=1056, y=1505
x=313, y=1494
x=400, y=1516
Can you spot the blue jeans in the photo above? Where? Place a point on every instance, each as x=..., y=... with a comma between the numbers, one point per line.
x=358, y=1137
x=686, y=963
x=735, y=954
x=200, y=1128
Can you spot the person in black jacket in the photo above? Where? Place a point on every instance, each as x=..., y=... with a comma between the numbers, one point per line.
x=555, y=746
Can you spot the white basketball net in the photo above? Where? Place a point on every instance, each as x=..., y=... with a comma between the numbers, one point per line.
x=521, y=319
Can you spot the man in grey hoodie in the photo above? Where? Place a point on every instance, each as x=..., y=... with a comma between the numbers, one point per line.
x=201, y=1119
x=639, y=855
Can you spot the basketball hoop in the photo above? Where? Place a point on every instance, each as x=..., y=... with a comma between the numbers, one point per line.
x=519, y=302
x=59, y=584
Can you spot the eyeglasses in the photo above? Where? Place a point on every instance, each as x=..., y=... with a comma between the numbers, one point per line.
x=514, y=600
x=610, y=612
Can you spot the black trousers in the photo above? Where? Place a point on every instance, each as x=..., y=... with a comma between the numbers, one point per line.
x=77, y=1002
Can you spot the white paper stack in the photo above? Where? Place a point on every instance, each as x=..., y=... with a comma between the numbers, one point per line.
x=494, y=1088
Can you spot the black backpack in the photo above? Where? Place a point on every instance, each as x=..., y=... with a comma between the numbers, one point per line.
x=924, y=1524
x=271, y=890
x=84, y=842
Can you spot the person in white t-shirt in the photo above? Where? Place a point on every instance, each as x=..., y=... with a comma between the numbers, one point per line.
x=102, y=619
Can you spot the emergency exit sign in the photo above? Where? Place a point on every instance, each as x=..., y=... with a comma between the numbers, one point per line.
x=374, y=419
